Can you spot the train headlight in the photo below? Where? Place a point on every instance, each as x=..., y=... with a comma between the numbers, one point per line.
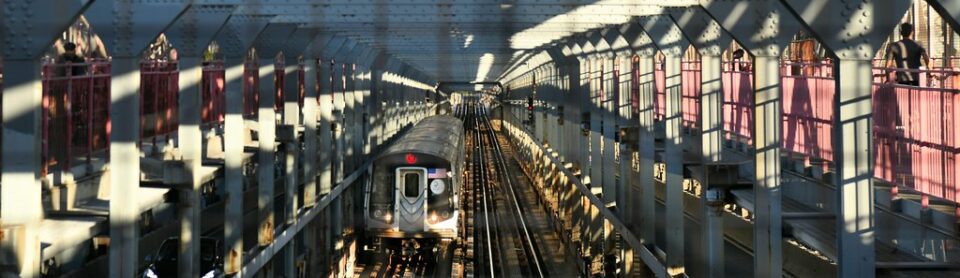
x=378, y=213
x=433, y=218
x=388, y=218
x=437, y=186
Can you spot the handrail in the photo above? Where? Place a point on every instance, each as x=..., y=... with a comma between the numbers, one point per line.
x=647, y=256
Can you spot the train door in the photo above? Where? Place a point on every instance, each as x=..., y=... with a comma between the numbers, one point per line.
x=411, y=198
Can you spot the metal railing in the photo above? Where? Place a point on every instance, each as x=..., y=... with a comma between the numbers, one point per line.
x=75, y=114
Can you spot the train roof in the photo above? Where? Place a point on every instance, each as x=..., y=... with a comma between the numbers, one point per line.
x=439, y=135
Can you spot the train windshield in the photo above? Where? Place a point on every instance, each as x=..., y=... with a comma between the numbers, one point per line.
x=411, y=185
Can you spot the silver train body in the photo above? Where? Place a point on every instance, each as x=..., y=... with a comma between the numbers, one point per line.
x=415, y=185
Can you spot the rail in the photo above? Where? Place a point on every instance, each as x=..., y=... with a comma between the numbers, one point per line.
x=646, y=255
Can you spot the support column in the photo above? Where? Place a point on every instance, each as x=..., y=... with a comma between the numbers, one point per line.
x=291, y=143
x=853, y=122
x=326, y=126
x=767, y=133
x=29, y=28
x=310, y=121
x=766, y=45
x=233, y=159
x=350, y=119
x=853, y=113
x=124, y=163
x=190, y=143
x=266, y=181
x=711, y=126
x=22, y=134
x=291, y=121
x=339, y=106
x=673, y=158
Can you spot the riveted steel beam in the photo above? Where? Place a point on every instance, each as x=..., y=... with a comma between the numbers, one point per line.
x=853, y=32
x=27, y=29
x=240, y=33
x=764, y=28
x=671, y=42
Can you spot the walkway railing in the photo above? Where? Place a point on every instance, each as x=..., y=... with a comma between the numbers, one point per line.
x=213, y=85
x=916, y=141
x=690, y=96
x=159, y=89
x=76, y=102
x=737, y=81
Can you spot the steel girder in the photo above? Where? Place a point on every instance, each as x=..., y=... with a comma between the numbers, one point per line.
x=763, y=28
x=853, y=32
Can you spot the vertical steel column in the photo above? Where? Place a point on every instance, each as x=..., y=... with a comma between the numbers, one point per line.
x=233, y=134
x=310, y=137
x=668, y=37
x=124, y=162
x=125, y=31
x=741, y=19
x=339, y=103
x=266, y=181
x=767, y=139
x=608, y=127
x=242, y=30
x=706, y=35
x=624, y=119
x=190, y=143
x=854, y=180
x=643, y=203
x=291, y=178
x=673, y=158
x=326, y=127
x=872, y=22
x=29, y=28
x=192, y=33
x=349, y=118
x=711, y=127
x=646, y=152
x=22, y=202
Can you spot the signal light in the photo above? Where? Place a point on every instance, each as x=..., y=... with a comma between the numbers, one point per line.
x=411, y=159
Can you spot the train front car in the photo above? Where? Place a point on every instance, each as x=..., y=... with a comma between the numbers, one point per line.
x=413, y=198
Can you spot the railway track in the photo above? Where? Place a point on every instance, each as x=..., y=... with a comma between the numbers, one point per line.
x=503, y=244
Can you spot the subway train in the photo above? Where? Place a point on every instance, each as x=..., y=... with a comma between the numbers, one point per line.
x=411, y=201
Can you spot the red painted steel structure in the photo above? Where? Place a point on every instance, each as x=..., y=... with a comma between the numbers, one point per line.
x=159, y=90
x=737, y=78
x=807, y=101
x=660, y=91
x=690, y=93
x=75, y=117
x=251, y=89
x=213, y=85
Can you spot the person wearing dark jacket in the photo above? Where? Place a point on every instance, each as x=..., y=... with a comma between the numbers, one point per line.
x=70, y=56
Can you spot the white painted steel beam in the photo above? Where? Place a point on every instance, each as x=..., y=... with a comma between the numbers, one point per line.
x=763, y=28
x=671, y=42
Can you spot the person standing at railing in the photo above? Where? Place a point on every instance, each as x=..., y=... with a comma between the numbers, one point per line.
x=906, y=55
x=70, y=56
